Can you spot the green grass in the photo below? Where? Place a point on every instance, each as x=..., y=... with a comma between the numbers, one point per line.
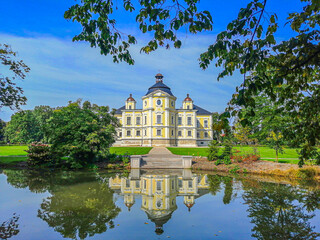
x=290, y=155
x=12, y=159
x=130, y=150
x=13, y=150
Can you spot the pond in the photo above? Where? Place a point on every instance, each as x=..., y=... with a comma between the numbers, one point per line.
x=158, y=204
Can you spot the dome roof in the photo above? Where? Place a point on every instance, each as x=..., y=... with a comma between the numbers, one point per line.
x=131, y=98
x=159, y=86
x=187, y=98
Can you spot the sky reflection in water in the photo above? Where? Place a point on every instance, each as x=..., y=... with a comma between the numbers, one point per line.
x=154, y=205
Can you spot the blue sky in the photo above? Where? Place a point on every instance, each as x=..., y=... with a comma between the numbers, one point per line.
x=62, y=70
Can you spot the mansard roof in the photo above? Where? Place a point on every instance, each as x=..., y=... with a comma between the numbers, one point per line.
x=118, y=111
x=201, y=111
x=159, y=86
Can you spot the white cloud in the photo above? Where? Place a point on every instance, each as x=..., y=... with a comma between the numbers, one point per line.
x=62, y=70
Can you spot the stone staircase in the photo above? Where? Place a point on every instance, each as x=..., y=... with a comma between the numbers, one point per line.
x=160, y=158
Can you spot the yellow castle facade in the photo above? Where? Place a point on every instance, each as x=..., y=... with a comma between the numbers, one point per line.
x=160, y=123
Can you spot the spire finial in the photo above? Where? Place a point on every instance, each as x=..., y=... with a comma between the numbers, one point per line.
x=159, y=77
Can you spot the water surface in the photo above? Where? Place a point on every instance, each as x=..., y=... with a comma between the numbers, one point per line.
x=154, y=205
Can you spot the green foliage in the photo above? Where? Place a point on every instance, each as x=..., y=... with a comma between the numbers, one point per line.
x=213, y=151
x=27, y=126
x=162, y=18
x=39, y=154
x=275, y=141
x=227, y=151
x=235, y=169
x=307, y=173
x=10, y=94
x=83, y=133
x=2, y=130
x=226, y=160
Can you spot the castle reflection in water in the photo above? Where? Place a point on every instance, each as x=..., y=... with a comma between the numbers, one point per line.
x=159, y=191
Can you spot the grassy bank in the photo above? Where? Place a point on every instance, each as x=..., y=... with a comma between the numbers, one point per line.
x=16, y=153
x=290, y=155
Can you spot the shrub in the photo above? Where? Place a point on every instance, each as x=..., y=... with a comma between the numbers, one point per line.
x=39, y=153
x=218, y=162
x=306, y=173
x=227, y=149
x=226, y=160
x=213, y=150
x=235, y=169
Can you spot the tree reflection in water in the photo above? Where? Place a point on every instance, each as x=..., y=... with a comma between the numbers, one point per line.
x=10, y=227
x=279, y=211
x=80, y=206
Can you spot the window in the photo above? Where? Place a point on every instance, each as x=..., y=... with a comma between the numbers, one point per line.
x=172, y=120
x=179, y=133
x=179, y=120
x=158, y=119
x=145, y=132
x=138, y=133
x=198, y=135
x=190, y=184
x=188, y=107
x=120, y=134
x=127, y=183
x=172, y=103
x=129, y=133
x=158, y=132
x=172, y=132
x=158, y=185
x=138, y=121
x=137, y=184
x=158, y=102
x=189, y=134
x=145, y=103
x=130, y=107
x=189, y=120
x=145, y=120
x=198, y=124
x=205, y=123
x=172, y=184
x=180, y=183
x=145, y=184
x=206, y=134
x=128, y=120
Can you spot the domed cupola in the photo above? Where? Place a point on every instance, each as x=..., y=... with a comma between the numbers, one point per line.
x=159, y=85
x=130, y=103
x=188, y=103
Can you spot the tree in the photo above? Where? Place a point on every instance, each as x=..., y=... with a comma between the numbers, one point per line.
x=10, y=94
x=242, y=133
x=27, y=126
x=82, y=133
x=247, y=45
x=275, y=141
x=23, y=128
x=2, y=130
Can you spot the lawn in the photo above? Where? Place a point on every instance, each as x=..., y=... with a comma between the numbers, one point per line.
x=15, y=153
x=15, y=150
x=130, y=150
x=290, y=155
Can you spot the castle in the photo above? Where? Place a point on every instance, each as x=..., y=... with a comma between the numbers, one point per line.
x=160, y=123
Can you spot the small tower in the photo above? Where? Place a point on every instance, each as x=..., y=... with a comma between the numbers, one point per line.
x=188, y=103
x=189, y=202
x=159, y=78
x=131, y=103
x=129, y=201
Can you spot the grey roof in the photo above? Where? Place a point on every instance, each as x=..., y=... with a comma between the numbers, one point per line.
x=201, y=111
x=159, y=86
x=119, y=110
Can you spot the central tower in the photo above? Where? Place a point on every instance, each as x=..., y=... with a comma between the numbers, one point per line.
x=159, y=114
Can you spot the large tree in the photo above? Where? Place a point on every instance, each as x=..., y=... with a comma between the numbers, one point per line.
x=10, y=94
x=82, y=132
x=248, y=45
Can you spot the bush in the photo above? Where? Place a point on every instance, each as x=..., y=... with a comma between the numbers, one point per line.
x=213, y=150
x=227, y=152
x=306, y=173
x=39, y=154
x=226, y=160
